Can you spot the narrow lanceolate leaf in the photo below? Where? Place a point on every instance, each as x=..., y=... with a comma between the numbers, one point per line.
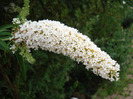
x=22, y=65
x=61, y=39
x=5, y=27
x=4, y=46
x=5, y=33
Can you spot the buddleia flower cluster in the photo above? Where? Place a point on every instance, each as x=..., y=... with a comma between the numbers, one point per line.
x=56, y=37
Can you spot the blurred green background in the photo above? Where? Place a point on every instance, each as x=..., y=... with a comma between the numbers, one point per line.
x=109, y=23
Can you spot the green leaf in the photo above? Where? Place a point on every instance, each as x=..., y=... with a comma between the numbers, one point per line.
x=5, y=33
x=4, y=28
x=4, y=37
x=22, y=66
x=4, y=46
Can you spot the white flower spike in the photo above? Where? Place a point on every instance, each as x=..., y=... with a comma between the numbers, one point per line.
x=59, y=38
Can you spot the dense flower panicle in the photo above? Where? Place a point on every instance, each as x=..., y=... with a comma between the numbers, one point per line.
x=59, y=38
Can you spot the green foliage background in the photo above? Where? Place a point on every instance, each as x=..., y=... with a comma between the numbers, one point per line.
x=107, y=22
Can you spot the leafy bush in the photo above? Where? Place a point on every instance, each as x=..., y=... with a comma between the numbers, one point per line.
x=56, y=76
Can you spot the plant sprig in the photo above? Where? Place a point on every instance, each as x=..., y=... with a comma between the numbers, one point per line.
x=25, y=11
